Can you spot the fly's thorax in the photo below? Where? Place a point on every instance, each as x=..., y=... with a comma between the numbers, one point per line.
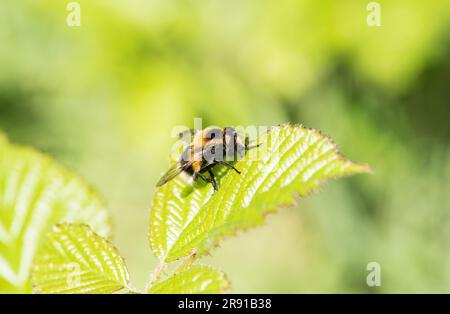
x=198, y=140
x=214, y=151
x=191, y=153
x=211, y=133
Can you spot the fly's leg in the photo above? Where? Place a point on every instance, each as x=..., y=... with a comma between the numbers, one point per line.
x=228, y=165
x=211, y=180
x=247, y=142
x=253, y=146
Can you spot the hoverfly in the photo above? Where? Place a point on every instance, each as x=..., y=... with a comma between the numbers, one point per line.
x=210, y=147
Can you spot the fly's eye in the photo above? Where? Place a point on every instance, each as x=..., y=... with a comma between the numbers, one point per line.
x=213, y=133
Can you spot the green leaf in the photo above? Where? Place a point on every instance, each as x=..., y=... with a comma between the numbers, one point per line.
x=35, y=192
x=74, y=259
x=197, y=279
x=291, y=160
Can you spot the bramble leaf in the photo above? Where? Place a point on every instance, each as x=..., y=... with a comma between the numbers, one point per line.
x=291, y=160
x=197, y=279
x=35, y=192
x=73, y=259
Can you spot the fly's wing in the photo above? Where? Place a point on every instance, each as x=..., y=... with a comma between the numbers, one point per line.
x=173, y=171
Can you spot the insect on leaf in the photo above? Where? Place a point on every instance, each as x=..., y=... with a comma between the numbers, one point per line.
x=291, y=160
x=73, y=259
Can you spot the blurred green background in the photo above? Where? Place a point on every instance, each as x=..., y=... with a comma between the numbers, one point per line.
x=103, y=98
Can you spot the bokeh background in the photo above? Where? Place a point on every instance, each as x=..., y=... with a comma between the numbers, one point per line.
x=103, y=98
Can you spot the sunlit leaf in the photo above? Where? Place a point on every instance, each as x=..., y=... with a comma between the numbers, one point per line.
x=197, y=279
x=291, y=160
x=35, y=192
x=73, y=259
